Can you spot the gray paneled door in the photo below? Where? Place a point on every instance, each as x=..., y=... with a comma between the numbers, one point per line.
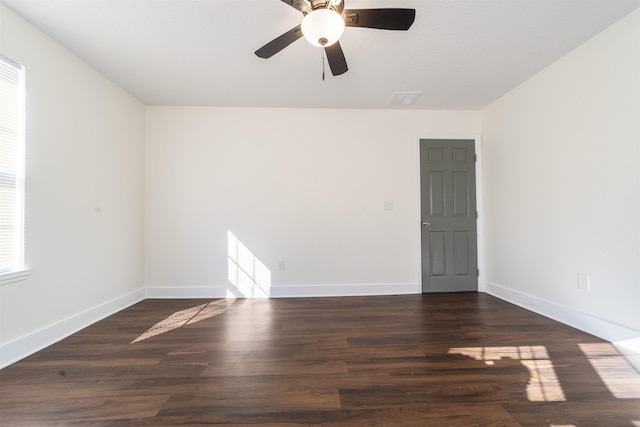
x=448, y=205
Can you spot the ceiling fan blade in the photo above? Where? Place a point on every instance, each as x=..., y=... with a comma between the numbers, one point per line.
x=383, y=19
x=279, y=43
x=301, y=5
x=336, y=59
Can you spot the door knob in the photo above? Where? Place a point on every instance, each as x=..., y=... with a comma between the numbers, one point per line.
x=426, y=224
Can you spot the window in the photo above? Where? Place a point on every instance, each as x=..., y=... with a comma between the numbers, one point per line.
x=12, y=138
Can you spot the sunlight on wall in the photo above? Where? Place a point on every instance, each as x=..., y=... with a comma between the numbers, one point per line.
x=250, y=277
x=621, y=377
x=187, y=317
x=543, y=383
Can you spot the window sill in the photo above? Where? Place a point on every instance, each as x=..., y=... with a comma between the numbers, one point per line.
x=14, y=276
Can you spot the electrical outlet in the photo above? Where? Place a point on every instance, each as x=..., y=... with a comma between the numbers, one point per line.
x=281, y=265
x=584, y=282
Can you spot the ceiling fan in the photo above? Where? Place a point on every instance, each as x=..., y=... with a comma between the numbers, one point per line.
x=324, y=22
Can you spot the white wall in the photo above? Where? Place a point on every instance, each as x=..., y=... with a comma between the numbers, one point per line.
x=84, y=203
x=304, y=186
x=562, y=186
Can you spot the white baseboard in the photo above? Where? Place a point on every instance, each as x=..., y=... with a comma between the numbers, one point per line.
x=187, y=292
x=22, y=347
x=612, y=332
x=285, y=291
x=368, y=289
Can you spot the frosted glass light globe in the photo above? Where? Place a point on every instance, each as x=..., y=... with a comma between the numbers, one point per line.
x=322, y=27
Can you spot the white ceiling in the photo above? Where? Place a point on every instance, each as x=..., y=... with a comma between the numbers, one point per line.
x=461, y=54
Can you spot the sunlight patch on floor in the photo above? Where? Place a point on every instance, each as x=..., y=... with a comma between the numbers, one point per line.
x=187, y=317
x=621, y=377
x=543, y=385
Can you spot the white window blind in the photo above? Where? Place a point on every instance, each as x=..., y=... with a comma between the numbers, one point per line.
x=12, y=145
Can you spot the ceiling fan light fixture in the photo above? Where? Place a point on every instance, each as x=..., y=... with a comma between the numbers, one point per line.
x=323, y=27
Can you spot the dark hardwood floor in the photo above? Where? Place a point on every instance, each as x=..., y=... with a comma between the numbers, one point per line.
x=435, y=360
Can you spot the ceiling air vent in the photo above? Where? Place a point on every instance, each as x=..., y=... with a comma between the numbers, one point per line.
x=404, y=98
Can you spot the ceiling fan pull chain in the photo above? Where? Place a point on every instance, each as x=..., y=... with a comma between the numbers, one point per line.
x=322, y=54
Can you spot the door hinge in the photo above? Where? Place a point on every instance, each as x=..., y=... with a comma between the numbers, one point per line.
x=478, y=272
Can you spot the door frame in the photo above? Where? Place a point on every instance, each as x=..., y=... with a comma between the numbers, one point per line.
x=482, y=287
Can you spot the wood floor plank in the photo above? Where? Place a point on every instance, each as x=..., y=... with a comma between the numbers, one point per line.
x=415, y=360
x=622, y=413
